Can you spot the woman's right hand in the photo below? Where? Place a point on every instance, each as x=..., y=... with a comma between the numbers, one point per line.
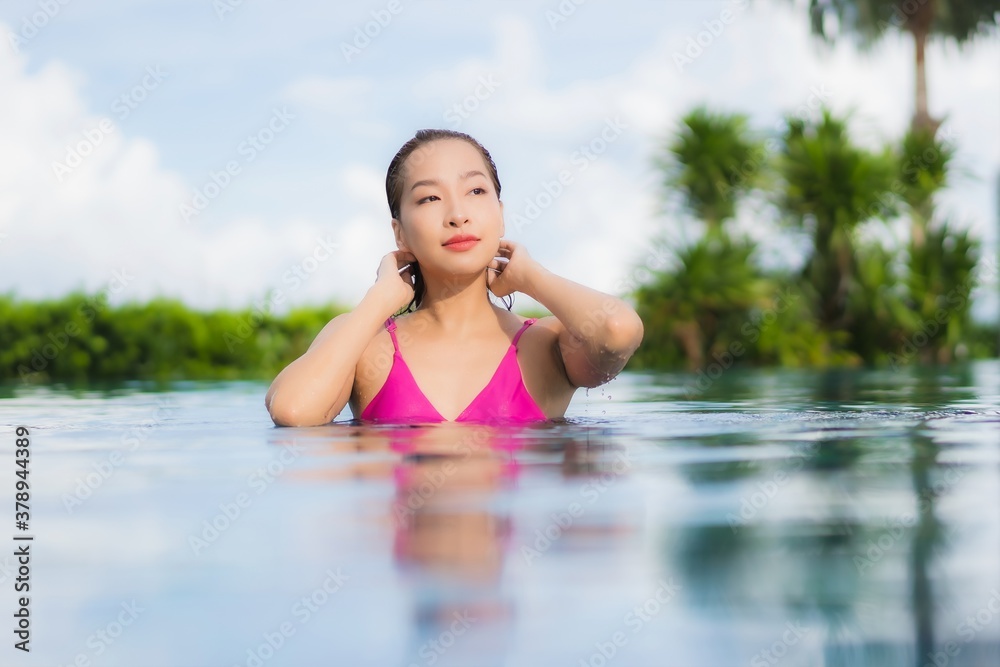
x=398, y=284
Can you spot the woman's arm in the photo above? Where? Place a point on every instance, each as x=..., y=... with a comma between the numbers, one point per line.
x=599, y=332
x=314, y=388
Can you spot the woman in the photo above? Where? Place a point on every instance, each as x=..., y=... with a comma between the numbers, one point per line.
x=465, y=358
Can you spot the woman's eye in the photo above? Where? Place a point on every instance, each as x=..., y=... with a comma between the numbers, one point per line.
x=478, y=191
x=427, y=198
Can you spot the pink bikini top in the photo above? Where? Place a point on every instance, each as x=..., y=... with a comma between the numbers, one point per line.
x=504, y=399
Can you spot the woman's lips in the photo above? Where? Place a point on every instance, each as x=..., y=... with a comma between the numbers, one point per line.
x=461, y=245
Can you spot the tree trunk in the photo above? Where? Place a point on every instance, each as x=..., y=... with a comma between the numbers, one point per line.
x=690, y=337
x=919, y=25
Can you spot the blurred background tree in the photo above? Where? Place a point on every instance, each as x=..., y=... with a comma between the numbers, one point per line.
x=715, y=304
x=858, y=297
x=693, y=306
x=868, y=20
x=941, y=258
x=82, y=338
x=830, y=186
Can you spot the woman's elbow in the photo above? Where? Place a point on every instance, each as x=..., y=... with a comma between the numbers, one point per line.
x=624, y=333
x=283, y=414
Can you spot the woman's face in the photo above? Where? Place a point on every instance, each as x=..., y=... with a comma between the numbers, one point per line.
x=447, y=191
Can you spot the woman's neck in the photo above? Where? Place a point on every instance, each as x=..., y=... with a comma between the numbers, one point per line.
x=456, y=302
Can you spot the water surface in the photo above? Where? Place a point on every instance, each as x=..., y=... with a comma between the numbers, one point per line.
x=759, y=518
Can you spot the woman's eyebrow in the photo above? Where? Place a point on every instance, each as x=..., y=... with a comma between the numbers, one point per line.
x=431, y=181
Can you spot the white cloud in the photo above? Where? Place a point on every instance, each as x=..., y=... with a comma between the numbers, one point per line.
x=120, y=207
x=117, y=211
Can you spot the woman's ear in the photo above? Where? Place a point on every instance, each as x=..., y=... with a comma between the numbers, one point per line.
x=397, y=232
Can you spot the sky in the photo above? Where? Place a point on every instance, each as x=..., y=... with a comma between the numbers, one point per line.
x=231, y=152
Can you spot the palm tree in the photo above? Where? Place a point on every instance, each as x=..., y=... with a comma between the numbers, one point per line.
x=712, y=162
x=942, y=258
x=868, y=20
x=830, y=186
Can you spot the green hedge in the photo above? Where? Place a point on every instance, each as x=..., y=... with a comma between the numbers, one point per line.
x=81, y=337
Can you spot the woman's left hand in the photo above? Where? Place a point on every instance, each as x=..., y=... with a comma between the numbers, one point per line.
x=514, y=275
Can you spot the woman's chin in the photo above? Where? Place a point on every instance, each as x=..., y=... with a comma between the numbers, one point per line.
x=470, y=267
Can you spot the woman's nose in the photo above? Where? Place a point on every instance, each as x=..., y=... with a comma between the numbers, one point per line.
x=457, y=215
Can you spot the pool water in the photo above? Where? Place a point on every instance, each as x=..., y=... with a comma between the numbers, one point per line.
x=763, y=517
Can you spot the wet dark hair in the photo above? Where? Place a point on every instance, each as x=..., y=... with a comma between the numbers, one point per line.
x=394, y=189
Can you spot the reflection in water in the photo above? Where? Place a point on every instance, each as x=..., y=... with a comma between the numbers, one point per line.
x=451, y=541
x=451, y=533
x=841, y=518
x=834, y=559
x=826, y=542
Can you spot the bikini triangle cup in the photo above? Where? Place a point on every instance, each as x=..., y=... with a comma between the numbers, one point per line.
x=504, y=399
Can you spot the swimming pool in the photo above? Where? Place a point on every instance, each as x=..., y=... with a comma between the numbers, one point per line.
x=764, y=517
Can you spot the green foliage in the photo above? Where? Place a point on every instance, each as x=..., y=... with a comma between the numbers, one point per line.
x=81, y=337
x=854, y=302
x=923, y=168
x=941, y=259
x=830, y=185
x=879, y=316
x=712, y=163
x=699, y=308
x=940, y=282
x=868, y=20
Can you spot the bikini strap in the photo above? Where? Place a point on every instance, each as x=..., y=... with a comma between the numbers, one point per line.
x=390, y=326
x=527, y=323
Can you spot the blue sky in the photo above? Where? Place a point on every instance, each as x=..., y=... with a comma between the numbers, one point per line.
x=164, y=96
